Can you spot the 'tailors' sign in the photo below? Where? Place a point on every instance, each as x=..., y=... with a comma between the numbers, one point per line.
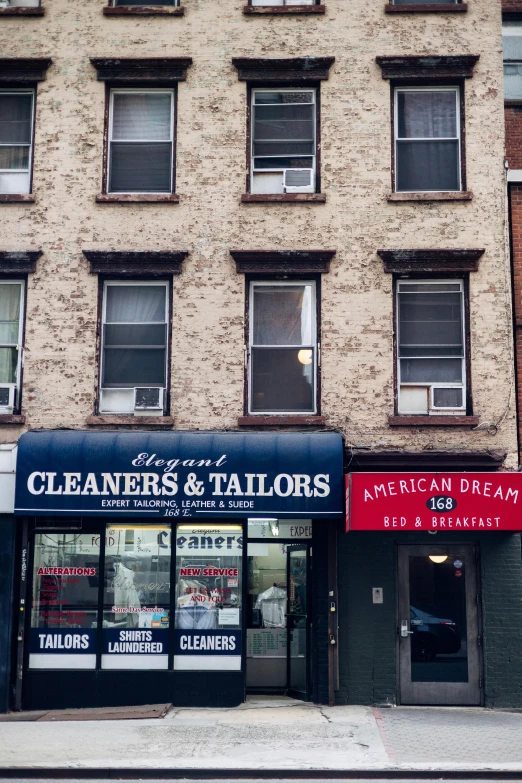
x=175, y=474
x=460, y=502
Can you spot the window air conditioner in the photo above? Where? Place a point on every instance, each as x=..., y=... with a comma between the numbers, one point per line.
x=7, y=397
x=148, y=398
x=299, y=181
x=447, y=399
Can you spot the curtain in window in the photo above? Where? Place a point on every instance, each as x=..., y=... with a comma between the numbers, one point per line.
x=141, y=117
x=427, y=114
x=282, y=315
x=135, y=304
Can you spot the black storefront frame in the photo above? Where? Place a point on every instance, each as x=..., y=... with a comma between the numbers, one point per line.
x=62, y=688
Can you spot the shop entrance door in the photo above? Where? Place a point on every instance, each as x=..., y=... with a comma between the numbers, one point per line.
x=438, y=625
x=278, y=619
x=297, y=621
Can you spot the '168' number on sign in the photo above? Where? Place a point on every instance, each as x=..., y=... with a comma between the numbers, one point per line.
x=441, y=503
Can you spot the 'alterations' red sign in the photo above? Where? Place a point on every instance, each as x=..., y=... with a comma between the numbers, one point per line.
x=445, y=502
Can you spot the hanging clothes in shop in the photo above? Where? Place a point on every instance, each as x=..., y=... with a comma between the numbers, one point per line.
x=272, y=605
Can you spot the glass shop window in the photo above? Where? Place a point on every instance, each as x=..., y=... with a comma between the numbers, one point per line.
x=64, y=611
x=208, y=597
x=136, y=597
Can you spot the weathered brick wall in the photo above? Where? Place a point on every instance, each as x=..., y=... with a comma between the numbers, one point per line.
x=60, y=372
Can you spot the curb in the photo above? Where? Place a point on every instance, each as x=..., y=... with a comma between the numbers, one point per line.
x=174, y=774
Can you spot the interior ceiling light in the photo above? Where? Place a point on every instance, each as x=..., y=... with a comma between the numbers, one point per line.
x=438, y=558
x=305, y=356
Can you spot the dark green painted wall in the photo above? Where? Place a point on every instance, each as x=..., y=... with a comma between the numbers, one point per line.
x=367, y=631
x=7, y=547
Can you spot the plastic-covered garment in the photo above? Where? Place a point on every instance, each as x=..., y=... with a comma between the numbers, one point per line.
x=195, y=613
x=272, y=604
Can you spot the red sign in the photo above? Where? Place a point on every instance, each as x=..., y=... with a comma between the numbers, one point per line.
x=446, y=502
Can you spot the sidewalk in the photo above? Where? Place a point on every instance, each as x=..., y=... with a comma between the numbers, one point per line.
x=273, y=734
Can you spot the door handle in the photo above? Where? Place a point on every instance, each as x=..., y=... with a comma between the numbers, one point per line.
x=404, y=629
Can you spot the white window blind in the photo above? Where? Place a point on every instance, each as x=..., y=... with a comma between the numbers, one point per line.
x=141, y=141
x=11, y=309
x=512, y=49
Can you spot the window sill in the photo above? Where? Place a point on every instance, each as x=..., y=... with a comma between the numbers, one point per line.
x=283, y=10
x=433, y=421
x=11, y=418
x=427, y=8
x=129, y=421
x=513, y=102
x=464, y=195
x=285, y=198
x=34, y=11
x=143, y=10
x=137, y=198
x=17, y=198
x=281, y=421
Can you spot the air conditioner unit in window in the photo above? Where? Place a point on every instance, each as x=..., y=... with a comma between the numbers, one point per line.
x=147, y=399
x=299, y=181
x=447, y=399
x=7, y=397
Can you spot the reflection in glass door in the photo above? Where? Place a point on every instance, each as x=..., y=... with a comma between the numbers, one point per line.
x=438, y=625
x=297, y=621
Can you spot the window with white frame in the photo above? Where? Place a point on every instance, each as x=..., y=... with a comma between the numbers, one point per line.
x=431, y=366
x=141, y=141
x=512, y=47
x=11, y=317
x=283, y=154
x=427, y=139
x=16, y=140
x=134, y=348
x=283, y=347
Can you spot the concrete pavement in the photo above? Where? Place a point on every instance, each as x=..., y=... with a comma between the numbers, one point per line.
x=275, y=734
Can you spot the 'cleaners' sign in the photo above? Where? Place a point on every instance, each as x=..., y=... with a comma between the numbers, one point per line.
x=460, y=502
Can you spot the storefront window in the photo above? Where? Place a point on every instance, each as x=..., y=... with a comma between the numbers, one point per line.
x=208, y=597
x=64, y=613
x=280, y=528
x=136, y=598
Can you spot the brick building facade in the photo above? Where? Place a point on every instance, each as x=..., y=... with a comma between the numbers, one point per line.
x=340, y=218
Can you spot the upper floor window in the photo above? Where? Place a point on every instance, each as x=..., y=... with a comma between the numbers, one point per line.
x=134, y=348
x=282, y=347
x=141, y=141
x=427, y=139
x=16, y=140
x=19, y=3
x=283, y=154
x=431, y=367
x=11, y=312
x=512, y=46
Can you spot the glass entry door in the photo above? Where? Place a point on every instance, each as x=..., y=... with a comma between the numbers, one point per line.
x=438, y=625
x=297, y=621
x=278, y=613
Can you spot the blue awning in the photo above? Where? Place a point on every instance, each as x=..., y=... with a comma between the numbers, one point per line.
x=180, y=474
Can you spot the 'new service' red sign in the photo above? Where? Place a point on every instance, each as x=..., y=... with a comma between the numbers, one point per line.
x=445, y=502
